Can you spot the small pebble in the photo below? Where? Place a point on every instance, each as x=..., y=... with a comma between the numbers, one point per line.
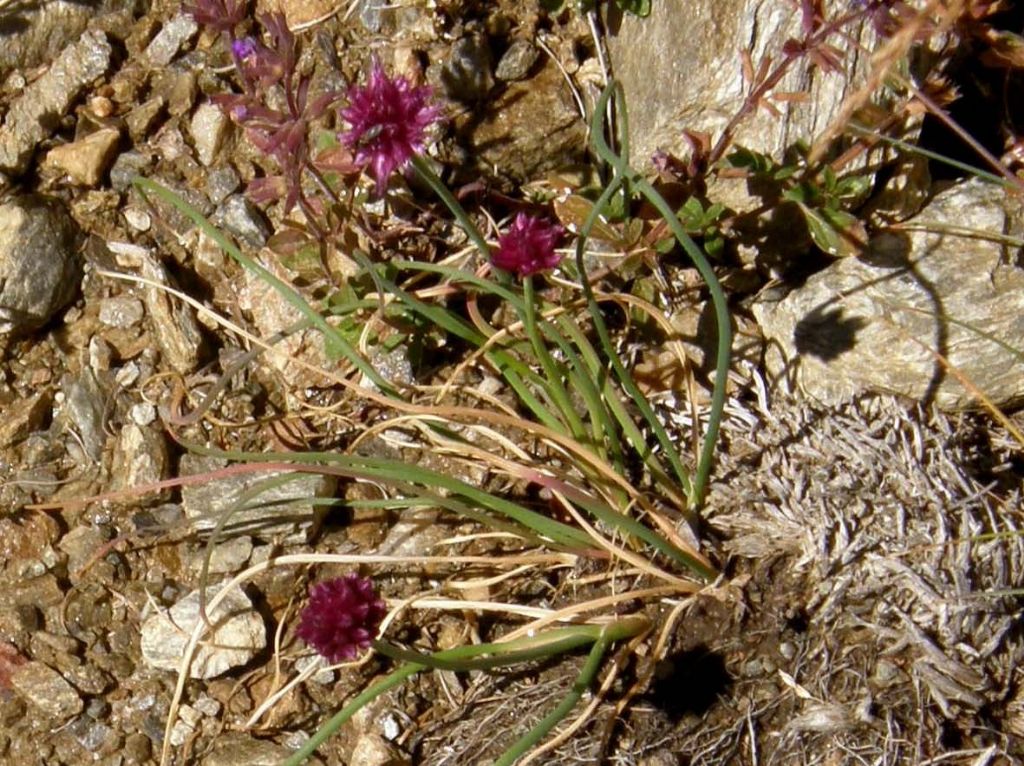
x=121, y=311
x=175, y=33
x=47, y=690
x=125, y=168
x=209, y=127
x=143, y=413
x=100, y=354
x=517, y=61
x=86, y=160
x=137, y=218
x=222, y=183
x=241, y=218
x=101, y=106
x=127, y=375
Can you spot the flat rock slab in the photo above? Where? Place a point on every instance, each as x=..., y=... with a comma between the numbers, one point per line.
x=682, y=70
x=35, y=114
x=236, y=635
x=46, y=689
x=945, y=284
x=283, y=507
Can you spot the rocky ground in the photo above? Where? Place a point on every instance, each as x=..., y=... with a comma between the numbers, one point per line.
x=864, y=509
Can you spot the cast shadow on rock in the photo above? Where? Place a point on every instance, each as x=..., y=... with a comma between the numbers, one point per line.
x=826, y=334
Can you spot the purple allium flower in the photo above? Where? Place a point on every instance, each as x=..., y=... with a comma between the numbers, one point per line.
x=243, y=48
x=342, y=617
x=528, y=246
x=388, y=118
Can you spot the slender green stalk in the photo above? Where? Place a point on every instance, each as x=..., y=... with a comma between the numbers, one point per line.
x=580, y=685
x=336, y=721
x=398, y=473
x=422, y=167
x=915, y=149
x=512, y=369
x=583, y=377
x=554, y=375
x=724, y=322
x=604, y=337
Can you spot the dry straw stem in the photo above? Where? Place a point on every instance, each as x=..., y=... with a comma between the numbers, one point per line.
x=883, y=60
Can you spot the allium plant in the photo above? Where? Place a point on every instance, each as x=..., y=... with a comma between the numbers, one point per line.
x=528, y=247
x=388, y=119
x=267, y=74
x=342, y=617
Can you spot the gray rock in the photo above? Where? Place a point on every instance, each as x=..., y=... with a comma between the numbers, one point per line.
x=236, y=635
x=239, y=749
x=221, y=183
x=282, y=510
x=23, y=416
x=517, y=61
x=209, y=128
x=141, y=119
x=169, y=40
x=871, y=324
x=91, y=735
x=127, y=165
x=271, y=314
x=374, y=750
x=83, y=413
x=243, y=219
x=140, y=458
x=40, y=267
x=417, y=533
x=185, y=727
x=121, y=311
x=531, y=128
x=228, y=556
x=173, y=323
x=34, y=115
x=53, y=697
x=81, y=544
x=35, y=33
x=142, y=413
x=680, y=69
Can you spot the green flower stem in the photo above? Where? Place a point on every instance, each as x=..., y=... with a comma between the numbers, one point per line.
x=547, y=644
x=554, y=375
x=422, y=167
x=581, y=684
x=722, y=318
x=336, y=721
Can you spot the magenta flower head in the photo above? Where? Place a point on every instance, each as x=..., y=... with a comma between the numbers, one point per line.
x=388, y=120
x=342, y=617
x=528, y=246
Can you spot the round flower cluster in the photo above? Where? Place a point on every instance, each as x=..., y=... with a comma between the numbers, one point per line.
x=342, y=617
